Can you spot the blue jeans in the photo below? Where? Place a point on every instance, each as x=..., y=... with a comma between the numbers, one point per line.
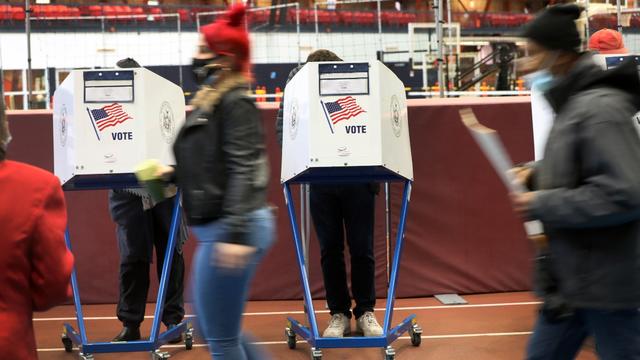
x=616, y=333
x=220, y=293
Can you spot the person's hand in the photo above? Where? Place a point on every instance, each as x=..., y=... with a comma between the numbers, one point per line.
x=164, y=172
x=521, y=175
x=232, y=256
x=522, y=202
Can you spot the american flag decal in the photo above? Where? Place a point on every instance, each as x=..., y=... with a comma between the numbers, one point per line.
x=110, y=115
x=343, y=109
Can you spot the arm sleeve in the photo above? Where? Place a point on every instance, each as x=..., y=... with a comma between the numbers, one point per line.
x=608, y=192
x=241, y=144
x=51, y=261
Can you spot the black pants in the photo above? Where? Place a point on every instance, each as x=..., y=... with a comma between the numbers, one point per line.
x=138, y=231
x=334, y=209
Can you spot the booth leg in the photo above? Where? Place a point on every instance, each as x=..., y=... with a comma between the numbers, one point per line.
x=308, y=304
x=69, y=335
x=164, y=280
x=388, y=316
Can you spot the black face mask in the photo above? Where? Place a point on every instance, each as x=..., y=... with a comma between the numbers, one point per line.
x=200, y=72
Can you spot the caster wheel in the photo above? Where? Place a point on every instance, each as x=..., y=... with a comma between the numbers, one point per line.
x=85, y=356
x=415, y=331
x=188, y=338
x=389, y=353
x=316, y=354
x=291, y=338
x=159, y=355
x=68, y=344
x=416, y=335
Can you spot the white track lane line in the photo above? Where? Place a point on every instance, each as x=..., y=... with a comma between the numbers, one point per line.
x=271, y=313
x=265, y=343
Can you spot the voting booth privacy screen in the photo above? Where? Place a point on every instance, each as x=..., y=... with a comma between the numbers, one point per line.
x=105, y=122
x=345, y=115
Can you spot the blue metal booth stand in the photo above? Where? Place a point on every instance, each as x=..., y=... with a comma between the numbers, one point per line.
x=70, y=336
x=310, y=333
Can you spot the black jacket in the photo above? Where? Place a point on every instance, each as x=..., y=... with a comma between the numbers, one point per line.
x=222, y=167
x=589, y=186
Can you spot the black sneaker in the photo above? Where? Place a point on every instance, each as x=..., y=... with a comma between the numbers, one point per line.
x=128, y=333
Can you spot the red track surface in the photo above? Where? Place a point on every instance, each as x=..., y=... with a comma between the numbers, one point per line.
x=491, y=327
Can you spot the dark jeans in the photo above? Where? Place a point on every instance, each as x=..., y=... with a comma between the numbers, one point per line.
x=616, y=333
x=138, y=231
x=220, y=293
x=334, y=209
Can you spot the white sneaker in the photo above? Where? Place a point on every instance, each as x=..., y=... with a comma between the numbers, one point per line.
x=339, y=326
x=368, y=325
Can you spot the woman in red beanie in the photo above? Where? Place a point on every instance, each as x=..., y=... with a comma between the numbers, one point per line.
x=35, y=265
x=223, y=172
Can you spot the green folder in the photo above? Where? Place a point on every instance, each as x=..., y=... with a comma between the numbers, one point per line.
x=146, y=174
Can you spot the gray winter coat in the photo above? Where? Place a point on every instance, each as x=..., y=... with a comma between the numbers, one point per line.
x=588, y=186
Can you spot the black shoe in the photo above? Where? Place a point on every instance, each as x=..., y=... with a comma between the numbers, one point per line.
x=178, y=337
x=128, y=333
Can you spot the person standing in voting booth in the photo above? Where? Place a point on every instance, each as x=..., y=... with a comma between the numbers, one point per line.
x=336, y=209
x=586, y=193
x=35, y=264
x=141, y=225
x=223, y=173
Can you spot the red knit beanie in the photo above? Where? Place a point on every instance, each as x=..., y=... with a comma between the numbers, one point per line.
x=228, y=36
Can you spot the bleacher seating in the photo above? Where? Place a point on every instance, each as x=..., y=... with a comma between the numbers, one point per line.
x=349, y=17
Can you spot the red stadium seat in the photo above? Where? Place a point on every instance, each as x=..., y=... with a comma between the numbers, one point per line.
x=258, y=17
x=328, y=17
x=17, y=13
x=291, y=15
x=60, y=10
x=94, y=10
x=346, y=17
x=137, y=10
x=125, y=10
x=110, y=10
x=73, y=11
x=38, y=11
x=306, y=16
x=364, y=18
x=5, y=12
x=185, y=15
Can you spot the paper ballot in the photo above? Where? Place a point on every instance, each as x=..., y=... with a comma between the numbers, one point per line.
x=494, y=150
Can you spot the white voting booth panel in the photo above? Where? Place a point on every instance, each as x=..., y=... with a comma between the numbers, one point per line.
x=345, y=115
x=542, y=114
x=106, y=122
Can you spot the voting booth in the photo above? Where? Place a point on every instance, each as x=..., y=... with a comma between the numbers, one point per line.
x=105, y=122
x=345, y=115
x=108, y=121
x=346, y=122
